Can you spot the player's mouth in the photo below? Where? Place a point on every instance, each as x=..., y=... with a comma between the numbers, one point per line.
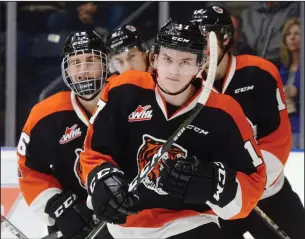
x=172, y=79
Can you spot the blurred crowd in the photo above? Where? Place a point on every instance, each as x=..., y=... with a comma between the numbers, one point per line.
x=267, y=29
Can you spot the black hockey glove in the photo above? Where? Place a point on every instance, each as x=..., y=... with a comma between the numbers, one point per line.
x=72, y=217
x=110, y=198
x=197, y=183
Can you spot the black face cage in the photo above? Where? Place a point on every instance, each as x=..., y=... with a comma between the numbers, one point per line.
x=88, y=77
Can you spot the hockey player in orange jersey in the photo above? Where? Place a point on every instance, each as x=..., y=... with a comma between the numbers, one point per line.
x=137, y=113
x=52, y=139
x=256, y=85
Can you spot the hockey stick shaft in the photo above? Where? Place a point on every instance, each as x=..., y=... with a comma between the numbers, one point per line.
x=14, y=230
x=271, y=224
x=179, y=131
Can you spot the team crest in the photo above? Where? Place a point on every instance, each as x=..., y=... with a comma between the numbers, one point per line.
x=147, y=150
x=70, y=134
x=131, y=28
x=77, y=167
x=141, y=113
x=218, y=9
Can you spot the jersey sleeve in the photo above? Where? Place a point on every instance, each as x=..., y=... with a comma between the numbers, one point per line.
x=36, y=180
x=107, y=130
x=104, y=134
x=273, y=126
x=241, y=153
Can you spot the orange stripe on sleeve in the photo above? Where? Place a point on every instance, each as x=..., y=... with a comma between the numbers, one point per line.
x=32, y=182
x=55, y=103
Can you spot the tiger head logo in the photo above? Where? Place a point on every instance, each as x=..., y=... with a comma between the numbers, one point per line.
x=147, y=150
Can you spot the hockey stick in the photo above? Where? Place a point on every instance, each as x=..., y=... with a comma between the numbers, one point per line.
x=203, y=98
x=14, y=230
x=271, y=224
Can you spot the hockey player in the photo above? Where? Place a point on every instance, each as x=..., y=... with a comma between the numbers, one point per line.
x=256, y=84
x=137, y=113
x=52, y=139
x=127, y=51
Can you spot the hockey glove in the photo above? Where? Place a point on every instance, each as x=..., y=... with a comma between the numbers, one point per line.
x=109, y=194
x=196, y=183
x=72, y=217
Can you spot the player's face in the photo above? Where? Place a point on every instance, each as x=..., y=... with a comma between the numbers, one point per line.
x=293, y=38
x=84, y=66
x=133, y=59
x=86, y=72
x=175, y=69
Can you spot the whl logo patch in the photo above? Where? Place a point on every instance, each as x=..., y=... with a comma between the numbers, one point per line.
x=141, y=113
x=70, y=134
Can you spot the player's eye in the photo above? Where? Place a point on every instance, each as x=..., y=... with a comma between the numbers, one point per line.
x=131, y=56
x=167, y=59
x=186, y=63
x=90, y=60
x=119, y=62
x=72, y=63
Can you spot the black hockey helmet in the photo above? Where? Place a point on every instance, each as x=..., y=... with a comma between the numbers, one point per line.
x=84, y=77
x=217, y=19
x=181, y=37
x=124, y=38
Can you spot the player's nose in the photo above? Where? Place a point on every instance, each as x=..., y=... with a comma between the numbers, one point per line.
x=82, y=75
x=173, y=69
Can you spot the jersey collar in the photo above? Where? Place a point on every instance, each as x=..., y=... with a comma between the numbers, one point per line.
x=189, y=105
x=79, y=110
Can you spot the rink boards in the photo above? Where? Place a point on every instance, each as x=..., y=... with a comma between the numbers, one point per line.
x=14, y=207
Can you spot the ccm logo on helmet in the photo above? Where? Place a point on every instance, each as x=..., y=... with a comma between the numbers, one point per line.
x=180, y=39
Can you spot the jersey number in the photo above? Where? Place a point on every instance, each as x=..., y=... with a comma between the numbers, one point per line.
x=100, y=106
x=22, y=144
x=280, y=102
x=256, y=160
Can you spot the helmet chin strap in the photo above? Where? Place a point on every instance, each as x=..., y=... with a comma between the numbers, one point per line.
x=176, y=93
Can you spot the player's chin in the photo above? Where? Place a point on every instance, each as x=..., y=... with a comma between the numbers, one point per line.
x=87, y=97
x=173, y=89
